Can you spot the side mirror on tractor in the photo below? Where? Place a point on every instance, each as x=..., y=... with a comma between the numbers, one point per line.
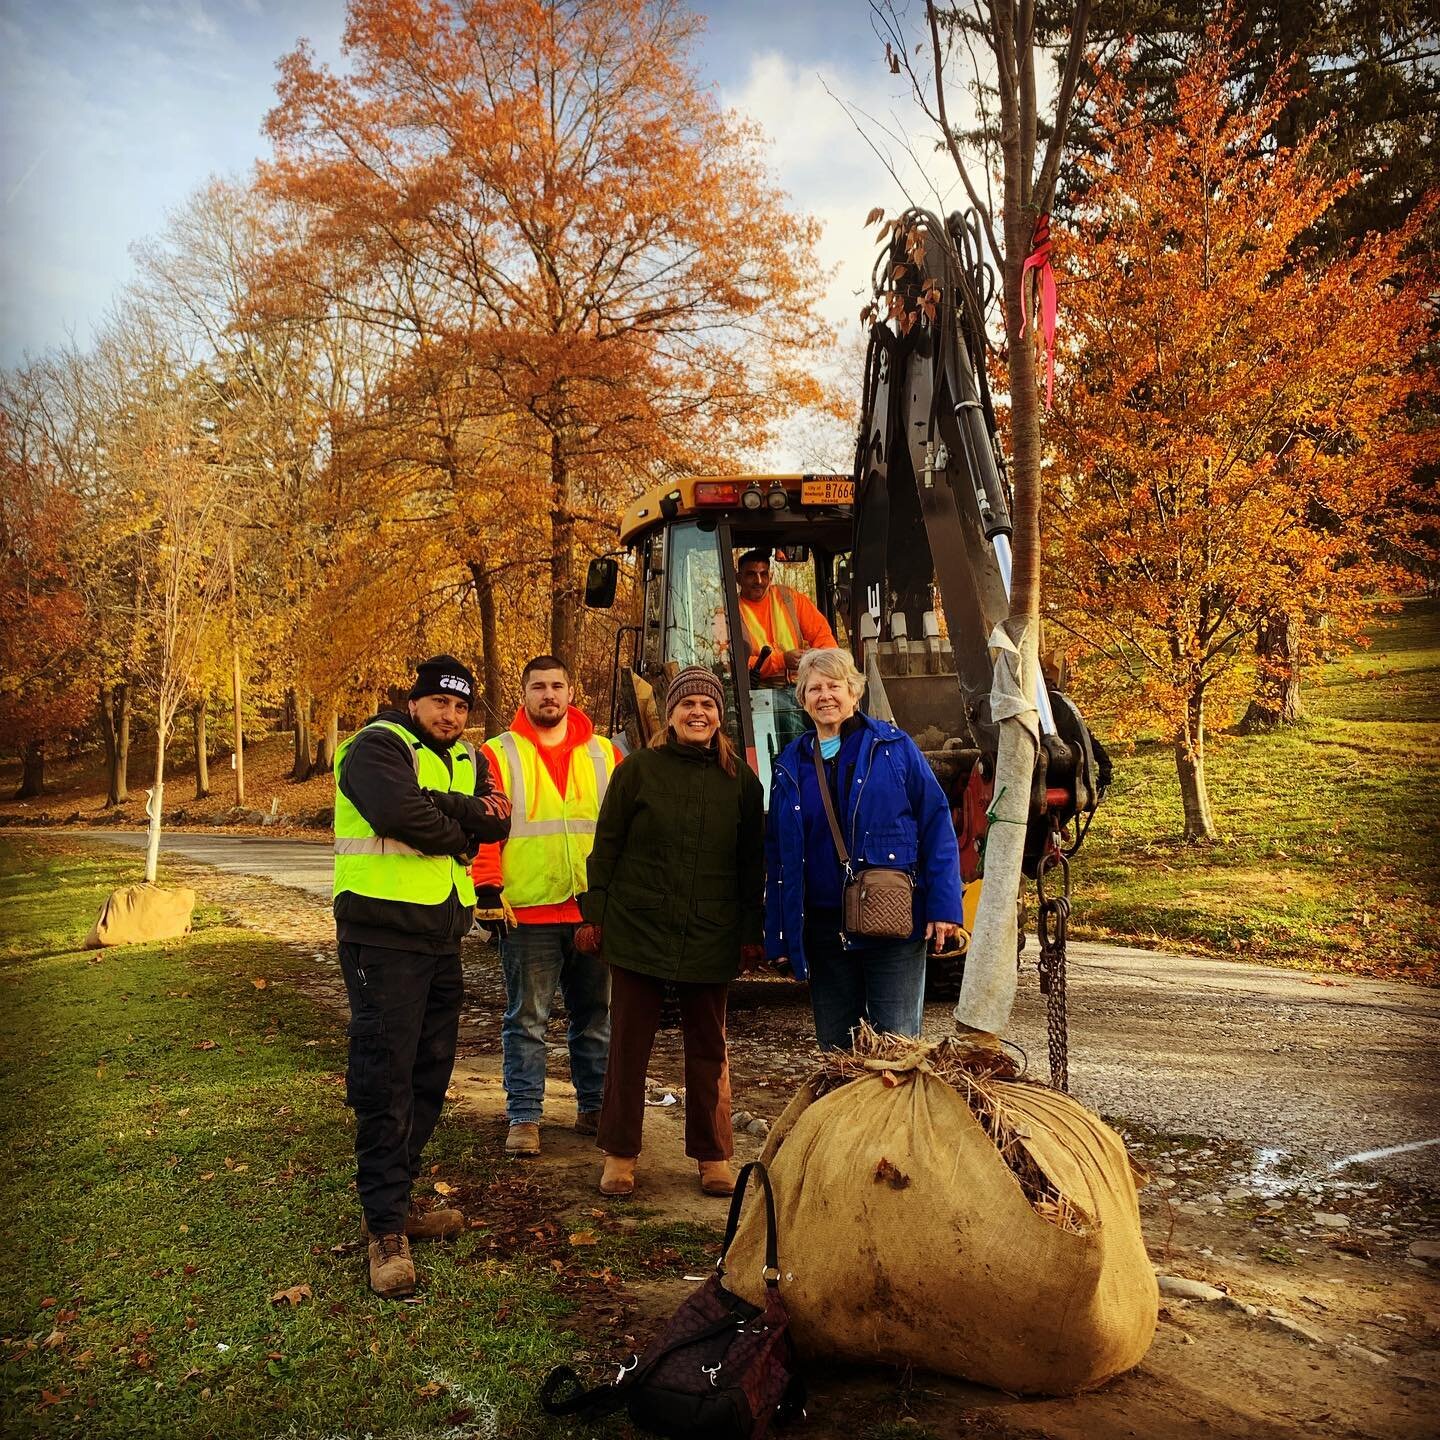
x=600, y=582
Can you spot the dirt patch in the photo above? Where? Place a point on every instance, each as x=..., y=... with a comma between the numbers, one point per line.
x=75, y=793
x=1326, y=1320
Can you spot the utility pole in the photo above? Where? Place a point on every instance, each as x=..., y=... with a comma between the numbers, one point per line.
x=235, y=682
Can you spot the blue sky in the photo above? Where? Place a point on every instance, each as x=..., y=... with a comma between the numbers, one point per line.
x=113, y=111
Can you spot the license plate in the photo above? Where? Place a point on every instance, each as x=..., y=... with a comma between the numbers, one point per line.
x=827, y=492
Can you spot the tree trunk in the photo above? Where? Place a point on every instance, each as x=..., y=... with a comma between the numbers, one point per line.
x=107, y=737
x=300, y=712
x=121, y=787
x=153, y=807
x=329, y=743
x=987, y=994
x=1276, y=700
x=491, y=720
x=32, y=771
x=235, y=686
x=564, y=598
x=1190, y=765
x=114, y=707
x=199, y=714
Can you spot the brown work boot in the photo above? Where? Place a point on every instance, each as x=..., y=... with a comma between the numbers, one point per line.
x=618, y=1176
x=587, y=1122
x=523, y=1139
x=716, y=1177
x=392, y=1272
x=420, y=1224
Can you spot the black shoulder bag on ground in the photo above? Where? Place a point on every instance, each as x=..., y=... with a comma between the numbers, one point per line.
x=879, y=903
x=722, y=1369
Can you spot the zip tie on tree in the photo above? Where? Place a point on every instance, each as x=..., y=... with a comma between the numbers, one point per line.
x=991, y=818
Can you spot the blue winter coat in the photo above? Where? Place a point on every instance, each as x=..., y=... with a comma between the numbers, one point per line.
x=897, y=819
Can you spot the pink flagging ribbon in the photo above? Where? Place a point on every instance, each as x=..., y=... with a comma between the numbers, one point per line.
x=1039, y=260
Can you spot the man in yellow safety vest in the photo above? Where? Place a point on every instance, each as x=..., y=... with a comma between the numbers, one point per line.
x=413, y=800
x=554, y=768
x=777, y=618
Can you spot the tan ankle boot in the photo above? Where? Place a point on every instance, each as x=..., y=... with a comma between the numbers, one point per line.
x=523, y=1139
x=618, y=1176
x=716, y=1177
x=392, y=1272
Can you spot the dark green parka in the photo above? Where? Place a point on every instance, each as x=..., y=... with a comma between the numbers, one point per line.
x=677, y=875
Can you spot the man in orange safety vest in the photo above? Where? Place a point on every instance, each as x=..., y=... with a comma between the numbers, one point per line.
x=778, y=618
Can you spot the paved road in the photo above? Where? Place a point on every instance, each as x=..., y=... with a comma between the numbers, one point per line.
x=1325, y=1067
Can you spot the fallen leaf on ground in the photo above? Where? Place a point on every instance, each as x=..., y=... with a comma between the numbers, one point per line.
x=292, y=1296
x=54, y=1338
x=441, y=1188
x=583, y=1237
x=207, y=1045
x=894, y=1177
x=260, y=983
x=429, y=1390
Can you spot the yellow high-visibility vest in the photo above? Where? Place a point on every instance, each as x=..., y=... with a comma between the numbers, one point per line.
x=368, y=864
x=551, y=835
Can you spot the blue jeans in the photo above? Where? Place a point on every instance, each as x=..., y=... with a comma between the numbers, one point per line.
x=535, y=959
x=883, y=983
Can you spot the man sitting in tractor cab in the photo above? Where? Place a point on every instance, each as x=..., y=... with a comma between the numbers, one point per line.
x=778, y=619
x=780, y=624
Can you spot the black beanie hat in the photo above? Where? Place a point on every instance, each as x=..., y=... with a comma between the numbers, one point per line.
x=443, y=675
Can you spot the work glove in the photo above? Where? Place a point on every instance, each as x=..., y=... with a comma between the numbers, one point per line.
x=588, y=939
x=489, y=903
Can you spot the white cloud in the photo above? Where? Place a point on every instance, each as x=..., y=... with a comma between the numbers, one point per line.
x=830, y=170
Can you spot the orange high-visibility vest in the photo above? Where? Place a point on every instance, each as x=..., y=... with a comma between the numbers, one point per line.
x=780, y=629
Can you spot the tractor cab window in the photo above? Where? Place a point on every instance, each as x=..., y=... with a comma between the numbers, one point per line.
x=695, y=628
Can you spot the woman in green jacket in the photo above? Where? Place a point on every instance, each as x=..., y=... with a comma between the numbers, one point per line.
x=676, y=887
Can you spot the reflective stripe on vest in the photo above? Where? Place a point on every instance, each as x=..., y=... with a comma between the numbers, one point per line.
x=385, y=869
x=543, y=861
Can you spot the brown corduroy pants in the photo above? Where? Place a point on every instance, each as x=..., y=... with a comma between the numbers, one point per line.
x=634, y=1017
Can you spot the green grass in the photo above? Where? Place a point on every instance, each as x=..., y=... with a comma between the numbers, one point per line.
x=158, y=1192
x=1330, y=834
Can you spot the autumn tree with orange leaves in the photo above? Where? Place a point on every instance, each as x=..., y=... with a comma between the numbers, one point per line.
x=1236, y=438
x=538, y=204
x=44, y=672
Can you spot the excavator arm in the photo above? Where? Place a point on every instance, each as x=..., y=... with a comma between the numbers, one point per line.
x=932, y=521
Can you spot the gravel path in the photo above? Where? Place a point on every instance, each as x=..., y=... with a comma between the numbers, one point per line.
x=1317, y=1067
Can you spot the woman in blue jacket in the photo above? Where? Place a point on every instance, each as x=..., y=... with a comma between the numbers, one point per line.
x=893, y=815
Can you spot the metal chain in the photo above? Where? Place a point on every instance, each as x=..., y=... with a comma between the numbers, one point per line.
x=1052, y=930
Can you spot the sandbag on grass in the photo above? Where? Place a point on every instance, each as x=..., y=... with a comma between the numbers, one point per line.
x=974, y=1226
x=137, y=913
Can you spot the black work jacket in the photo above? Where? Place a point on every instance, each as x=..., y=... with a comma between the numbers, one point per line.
x=677, y=875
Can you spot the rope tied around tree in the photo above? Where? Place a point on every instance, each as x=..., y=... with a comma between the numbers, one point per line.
x=1053, y=929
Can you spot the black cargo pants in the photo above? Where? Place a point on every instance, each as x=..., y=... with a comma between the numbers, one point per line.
x=404, y=1022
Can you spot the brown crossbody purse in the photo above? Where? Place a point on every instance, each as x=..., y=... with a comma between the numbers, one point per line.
x=879, y=903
